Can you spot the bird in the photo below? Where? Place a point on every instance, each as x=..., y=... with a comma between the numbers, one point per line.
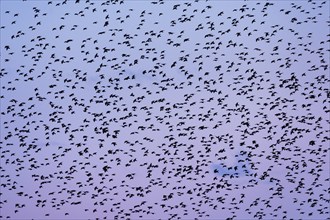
x=164, y=110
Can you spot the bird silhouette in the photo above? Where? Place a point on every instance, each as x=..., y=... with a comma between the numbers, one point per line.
x=164, y=110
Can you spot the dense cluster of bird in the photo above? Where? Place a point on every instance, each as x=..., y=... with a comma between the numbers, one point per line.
x=165, y=109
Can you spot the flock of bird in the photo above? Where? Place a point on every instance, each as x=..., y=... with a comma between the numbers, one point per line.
x=165, y=109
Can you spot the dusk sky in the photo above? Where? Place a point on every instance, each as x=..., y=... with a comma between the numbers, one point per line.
x=165, y=109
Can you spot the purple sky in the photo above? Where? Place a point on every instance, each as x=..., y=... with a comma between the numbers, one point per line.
x=165, y=110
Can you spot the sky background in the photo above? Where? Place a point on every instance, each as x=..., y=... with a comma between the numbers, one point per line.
x=164, y=109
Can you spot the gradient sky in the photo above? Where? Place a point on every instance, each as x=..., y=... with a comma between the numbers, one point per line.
x=165, y=110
